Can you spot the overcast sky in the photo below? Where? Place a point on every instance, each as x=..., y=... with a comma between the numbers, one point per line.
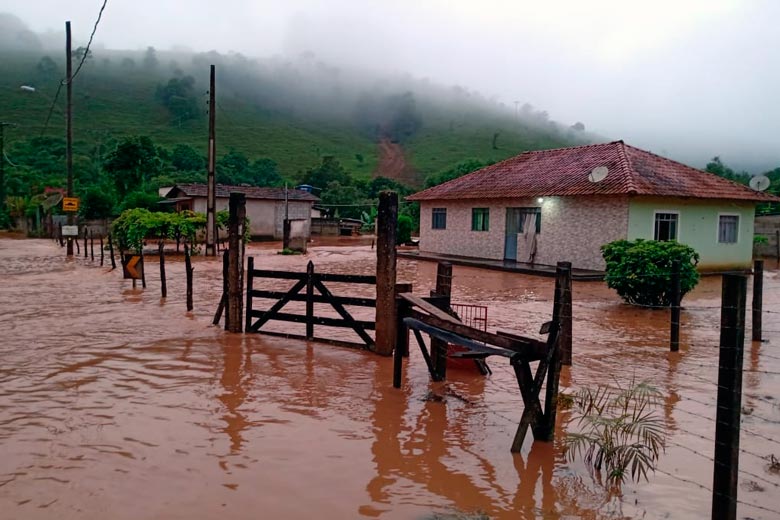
x=686, y=78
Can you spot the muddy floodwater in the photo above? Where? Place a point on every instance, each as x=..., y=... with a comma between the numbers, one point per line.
x=116, y=404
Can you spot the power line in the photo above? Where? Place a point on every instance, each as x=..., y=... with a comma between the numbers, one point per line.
x=89, y=43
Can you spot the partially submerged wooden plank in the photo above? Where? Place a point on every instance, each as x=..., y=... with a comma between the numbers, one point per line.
x=328, y=341
x=280, y=275
x=430, y=308
x=449, y=337
x=528, y=348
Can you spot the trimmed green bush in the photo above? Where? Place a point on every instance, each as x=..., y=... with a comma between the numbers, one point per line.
x=641, y=270
x=405, y=226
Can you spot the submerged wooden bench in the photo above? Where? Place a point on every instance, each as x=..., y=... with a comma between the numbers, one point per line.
x=423, y=317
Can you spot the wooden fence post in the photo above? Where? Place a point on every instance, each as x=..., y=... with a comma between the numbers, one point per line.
x=758, y=298
x=223, y=297
x=91, y=245
x=102, y=251
x=143, y=268
x=386, y=317
x=562, y=280
x=188, y=268
x=565, y=333
x=729, y=407
x=111, y=251
x=86, y=253
x=674, y=336
x=163, y=284
x=236, y=223
x=250, y=265
x=310, y=300
x=777, y=243
x=444, y=291
x=62, y=241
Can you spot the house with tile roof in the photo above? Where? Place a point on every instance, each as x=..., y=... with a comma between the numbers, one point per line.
x=265, y=207
x=547, y=206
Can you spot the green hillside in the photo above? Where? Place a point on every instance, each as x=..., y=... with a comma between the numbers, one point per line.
x=277, y=120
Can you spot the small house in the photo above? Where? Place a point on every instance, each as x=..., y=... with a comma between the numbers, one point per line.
x=265, y=207
x=547, y=206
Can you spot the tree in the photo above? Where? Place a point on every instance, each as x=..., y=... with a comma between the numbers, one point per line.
x=578, y=126
x=132, y=164
x=177, y=96
x=150, y=58
x=82, y=53
x=717, y=167
x=329, y=170
x=46, y=68
x=97, y=203
x=186, y=158
x=641, y=270
x=265, y=172
x=233, y=168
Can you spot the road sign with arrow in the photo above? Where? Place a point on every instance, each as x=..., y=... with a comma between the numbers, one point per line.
x=133, y=267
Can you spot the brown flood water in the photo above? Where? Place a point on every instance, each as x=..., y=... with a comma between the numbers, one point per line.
x=116, y=404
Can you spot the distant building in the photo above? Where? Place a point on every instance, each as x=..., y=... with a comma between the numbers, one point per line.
x=547, y=206
x=265, y=207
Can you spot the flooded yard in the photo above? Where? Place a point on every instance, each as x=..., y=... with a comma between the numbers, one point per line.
x=117, y=404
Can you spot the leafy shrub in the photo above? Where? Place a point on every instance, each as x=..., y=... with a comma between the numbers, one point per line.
x=760, y=239
x=641, y=270
x=405, y=225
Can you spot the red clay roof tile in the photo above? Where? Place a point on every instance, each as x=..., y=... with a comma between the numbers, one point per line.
x=564, y=172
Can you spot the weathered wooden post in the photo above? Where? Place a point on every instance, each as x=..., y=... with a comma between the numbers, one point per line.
x=386, y=317
x=401, y=349
x=62, y=241
x=86, y=252
x=102, y=250
x=674, y=336
x=563, y=279
x=235, y=300
x=163, y=284
x=777, y=243
x=310, y=300
x=91, y=245
x=111, y=251
x=566, y=333
x=223, y=298
x=143, y=271
x=188, y=268
x=250, y=266
x=443, y=293
x=286, y=234
x=75, y=240
x=758, y=298
x=729, y=407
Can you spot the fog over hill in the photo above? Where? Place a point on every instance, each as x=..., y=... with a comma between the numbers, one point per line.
x=688, y=79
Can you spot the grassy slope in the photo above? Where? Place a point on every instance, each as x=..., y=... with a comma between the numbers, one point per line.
x=114, y=102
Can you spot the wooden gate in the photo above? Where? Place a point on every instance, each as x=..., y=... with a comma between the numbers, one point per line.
x=303, y=290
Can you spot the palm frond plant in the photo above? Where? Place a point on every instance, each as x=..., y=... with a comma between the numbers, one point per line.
x=620, y=433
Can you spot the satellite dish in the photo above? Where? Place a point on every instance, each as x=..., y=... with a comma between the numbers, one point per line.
x=51, y=201
x=760, y=182
x=598, y=174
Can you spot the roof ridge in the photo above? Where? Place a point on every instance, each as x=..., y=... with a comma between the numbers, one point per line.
x=591, y=145
x=625, y=162
x=689, y=167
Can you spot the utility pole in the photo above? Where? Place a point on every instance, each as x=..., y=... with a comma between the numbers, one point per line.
x=69, y=126
x=2, y=165
x=211, y=199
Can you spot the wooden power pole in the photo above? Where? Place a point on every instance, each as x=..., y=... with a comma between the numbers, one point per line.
x=211, y=200
x=69, y=126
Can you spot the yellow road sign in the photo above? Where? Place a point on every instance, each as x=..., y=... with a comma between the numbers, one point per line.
x=70, y=204
x=133, y=268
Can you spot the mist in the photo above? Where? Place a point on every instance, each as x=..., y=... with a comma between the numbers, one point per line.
x=689, y=80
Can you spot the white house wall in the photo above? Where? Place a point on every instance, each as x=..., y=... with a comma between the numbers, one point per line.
x=572, y=228
x=265, y=216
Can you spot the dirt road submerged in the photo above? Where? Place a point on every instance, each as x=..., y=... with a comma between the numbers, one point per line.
x=115, y=404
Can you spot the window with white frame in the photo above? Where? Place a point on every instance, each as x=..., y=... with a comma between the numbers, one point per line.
x=728, y=229
x=666, y=226
x=439, y=218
